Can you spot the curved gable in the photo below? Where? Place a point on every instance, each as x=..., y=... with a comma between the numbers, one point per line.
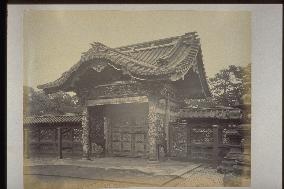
x=166, y=59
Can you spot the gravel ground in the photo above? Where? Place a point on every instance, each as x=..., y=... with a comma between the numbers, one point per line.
x=55, y=182
x=203, y=176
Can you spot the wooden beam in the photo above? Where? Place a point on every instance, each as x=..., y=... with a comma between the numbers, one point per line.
x=136, y=99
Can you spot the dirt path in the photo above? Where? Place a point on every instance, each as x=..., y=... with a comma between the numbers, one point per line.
x=56, y=182
x=203, y=176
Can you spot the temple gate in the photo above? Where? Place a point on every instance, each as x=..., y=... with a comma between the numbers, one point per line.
x=131, y=93
x=120, y=129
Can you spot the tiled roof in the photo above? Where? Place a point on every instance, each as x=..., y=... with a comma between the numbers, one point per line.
x=53, y=119
x=164, y=59
x=216, y=113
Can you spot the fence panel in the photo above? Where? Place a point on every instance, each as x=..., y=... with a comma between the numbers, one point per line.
x=178, y=140
x=43, y=141
x=201, y=142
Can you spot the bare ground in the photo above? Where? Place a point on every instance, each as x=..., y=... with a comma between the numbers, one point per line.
x=201, y=176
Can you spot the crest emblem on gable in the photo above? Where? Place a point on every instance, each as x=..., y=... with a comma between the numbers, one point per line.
x=98, y=67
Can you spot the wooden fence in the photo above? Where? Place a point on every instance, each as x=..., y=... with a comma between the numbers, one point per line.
x=51, y=138
x=200, y=141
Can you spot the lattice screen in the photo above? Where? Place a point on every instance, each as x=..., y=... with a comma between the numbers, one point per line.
x=178, y=140
x=202, y=135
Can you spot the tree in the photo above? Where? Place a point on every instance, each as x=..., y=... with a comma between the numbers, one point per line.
x=246, y=99
x=247, y=79
x=39, y=103
x=27, y=97
x=36, y=102
x=227, y=87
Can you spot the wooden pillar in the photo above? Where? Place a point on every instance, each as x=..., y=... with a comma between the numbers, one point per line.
x=170, y=140
x=106, y=135
x=59, y=142
x=188, y=141
x=216, y=140
x=109, y=136
x=26, y=143
x=86, y=134
x=72, y=139
x=55, y=142
x=166, y=121
x=39, y=141
x=152, y=130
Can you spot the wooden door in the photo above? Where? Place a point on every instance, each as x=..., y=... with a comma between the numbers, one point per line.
x=128, y=129
x=140, y=144
x=128, y=143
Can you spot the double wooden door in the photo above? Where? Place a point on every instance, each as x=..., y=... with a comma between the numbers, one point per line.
x=127, y=130
x=128, y=142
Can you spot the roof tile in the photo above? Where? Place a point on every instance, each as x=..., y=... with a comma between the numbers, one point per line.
x=52, y=119
x=159, y=59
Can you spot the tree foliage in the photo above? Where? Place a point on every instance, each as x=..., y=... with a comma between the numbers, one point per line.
x=228, y=87
x=39, y=103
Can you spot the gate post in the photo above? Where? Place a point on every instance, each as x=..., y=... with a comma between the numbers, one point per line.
x=59, y=142
x=188, y=141
x=170, y=138
x=26, y=143
x=216, y=138
x=167, y=125
x=86, y=133
x=107, y=136
x=152, y=131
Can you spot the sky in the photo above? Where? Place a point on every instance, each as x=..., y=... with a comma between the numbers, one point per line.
x=55, y=40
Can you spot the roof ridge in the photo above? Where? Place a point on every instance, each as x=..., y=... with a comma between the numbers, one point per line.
x=147, y=42
x=97, y=46
x=155, y=41
x=168, y=63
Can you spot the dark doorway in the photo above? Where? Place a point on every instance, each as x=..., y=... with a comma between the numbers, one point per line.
x=127, y=128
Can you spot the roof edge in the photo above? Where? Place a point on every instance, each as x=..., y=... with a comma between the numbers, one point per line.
x=152, y=42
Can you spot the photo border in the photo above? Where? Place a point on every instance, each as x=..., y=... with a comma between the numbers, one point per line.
x=266, y=86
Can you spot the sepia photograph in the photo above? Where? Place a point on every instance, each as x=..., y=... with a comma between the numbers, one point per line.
x=136, y=98
x=155, y=98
